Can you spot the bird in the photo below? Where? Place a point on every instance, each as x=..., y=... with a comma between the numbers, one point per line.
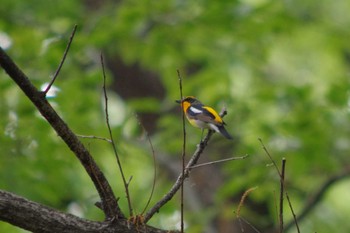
x=202, y=116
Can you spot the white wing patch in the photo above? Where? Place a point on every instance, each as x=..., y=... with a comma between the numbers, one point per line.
x=214, y=127
x=195, y=110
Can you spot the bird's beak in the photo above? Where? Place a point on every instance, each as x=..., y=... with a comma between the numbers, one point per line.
x=178, y=101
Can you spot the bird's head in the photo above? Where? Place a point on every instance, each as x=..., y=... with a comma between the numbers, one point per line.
x=188, y=99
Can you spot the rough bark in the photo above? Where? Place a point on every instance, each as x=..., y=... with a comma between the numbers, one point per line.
x=35, y=217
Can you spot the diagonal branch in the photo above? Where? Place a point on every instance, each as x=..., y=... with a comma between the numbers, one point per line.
x=193, y=161
x=219, y=161
x=180, y=179
x=109, y=202
x=62, y=61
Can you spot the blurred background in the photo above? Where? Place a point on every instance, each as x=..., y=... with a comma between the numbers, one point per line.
x=281, y=68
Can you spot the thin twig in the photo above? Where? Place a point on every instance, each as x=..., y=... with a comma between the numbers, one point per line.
x=183, y=152
x=154, y=170
x=248, y=223
x=282, y=194
x=62, y=61
x=219, y=161
x=268, y=154
x=275, y=203
x=126, y=184
x=294, y=216
x=282, y=188
x=94, y=137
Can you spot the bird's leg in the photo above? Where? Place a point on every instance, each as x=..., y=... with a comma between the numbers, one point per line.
x=202, y=136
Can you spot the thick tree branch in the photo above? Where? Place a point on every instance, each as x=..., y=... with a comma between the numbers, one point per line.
x=109, y=202
x=35, y=217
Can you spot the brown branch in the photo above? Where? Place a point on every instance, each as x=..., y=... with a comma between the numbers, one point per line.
x=154, y=170
x=219, y=161
x=109, y=202
x=282, y=187
x=282, y=191
x=183, y=153
x=63, y=59
x=270, y=157
x=126, y=184
x=293, y=213
x=282, y=194
x=36, y=217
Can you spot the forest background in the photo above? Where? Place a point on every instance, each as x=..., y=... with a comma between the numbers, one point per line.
x=281, y=68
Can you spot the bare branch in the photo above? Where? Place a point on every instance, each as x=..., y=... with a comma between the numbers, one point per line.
x=154, y=170
x=219, y=161
x=270, y=157
x=183, y=153
x=62, y=61
x=282, y=188
x=294, y=216
x=126, y=184
x=282, y=194
x=36, y=217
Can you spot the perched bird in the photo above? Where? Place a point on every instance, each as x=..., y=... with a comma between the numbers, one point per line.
x=202, y=116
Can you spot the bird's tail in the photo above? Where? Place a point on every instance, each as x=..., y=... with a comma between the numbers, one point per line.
x=223, y=131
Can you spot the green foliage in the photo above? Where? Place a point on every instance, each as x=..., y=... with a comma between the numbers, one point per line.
x=280, y=68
